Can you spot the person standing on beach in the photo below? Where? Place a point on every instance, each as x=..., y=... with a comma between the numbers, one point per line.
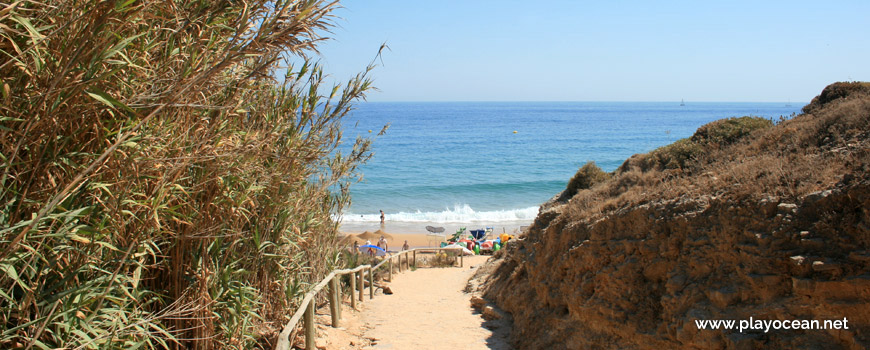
x=406, y=246
x=382, y=217
x=382, y=243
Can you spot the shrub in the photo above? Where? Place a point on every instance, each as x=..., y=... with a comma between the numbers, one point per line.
x=681, y=153
x=676, y=155
x=587, y=176
x=729, y=130
x=439, y=259
x=837, y=91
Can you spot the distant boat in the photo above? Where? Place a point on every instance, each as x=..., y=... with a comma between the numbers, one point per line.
x=682, y=103
x=788, y=104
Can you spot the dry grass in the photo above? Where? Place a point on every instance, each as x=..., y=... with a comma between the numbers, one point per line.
x=807, y=153
x=439, y=259
x=159, y=188
x=836, y=91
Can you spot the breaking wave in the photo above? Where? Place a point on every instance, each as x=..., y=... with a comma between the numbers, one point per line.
x=459, y=214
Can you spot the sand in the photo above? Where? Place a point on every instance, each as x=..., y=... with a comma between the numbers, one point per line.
x=395, y=244
x=511, y=227
x=415, y=239
x=429, y=310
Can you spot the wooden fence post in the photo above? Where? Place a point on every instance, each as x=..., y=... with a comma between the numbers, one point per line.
x=391, y=269
x=400, y=263
x=309, y=326
x=362, y=285
x=461, y=259
x=334, y=307
x=415, y=257
x=371, y=283
x=338, y=296
x=353, y=290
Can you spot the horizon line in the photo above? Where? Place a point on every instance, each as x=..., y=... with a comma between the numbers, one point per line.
x=570, y=101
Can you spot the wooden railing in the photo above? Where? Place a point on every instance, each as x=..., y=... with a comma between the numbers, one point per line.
x=306, y=307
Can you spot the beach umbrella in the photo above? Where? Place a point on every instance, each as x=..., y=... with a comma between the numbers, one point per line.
x=368, y=236
x=435, y=230
x=380, y=233
x=378, y=251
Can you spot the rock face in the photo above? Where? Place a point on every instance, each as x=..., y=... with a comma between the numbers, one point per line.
x=640, y=275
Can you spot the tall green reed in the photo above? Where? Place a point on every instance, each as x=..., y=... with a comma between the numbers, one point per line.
x=159, y=188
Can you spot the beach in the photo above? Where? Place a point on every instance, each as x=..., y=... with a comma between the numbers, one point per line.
x=419, y=228
x=395, y=240
x=396, y=237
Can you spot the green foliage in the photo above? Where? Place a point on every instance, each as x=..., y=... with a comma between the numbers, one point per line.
x=710, y=136
x=728, y=130
x=675, y=155
x=587, y=176
x=159, y=189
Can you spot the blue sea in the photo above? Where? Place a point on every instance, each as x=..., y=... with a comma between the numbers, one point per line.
x=478, y=164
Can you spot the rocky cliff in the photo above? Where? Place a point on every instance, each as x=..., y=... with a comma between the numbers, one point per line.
x=769, y=223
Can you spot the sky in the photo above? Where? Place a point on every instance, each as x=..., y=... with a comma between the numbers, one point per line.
x=554, y=50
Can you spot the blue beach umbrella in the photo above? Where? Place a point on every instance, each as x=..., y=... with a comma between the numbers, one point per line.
x=378, y=251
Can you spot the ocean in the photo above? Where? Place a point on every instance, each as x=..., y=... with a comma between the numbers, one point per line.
x=492, y=164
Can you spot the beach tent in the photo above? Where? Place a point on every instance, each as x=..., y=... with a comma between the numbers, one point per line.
x=378, y=251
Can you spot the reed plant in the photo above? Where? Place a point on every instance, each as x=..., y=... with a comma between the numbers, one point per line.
x=160, y=187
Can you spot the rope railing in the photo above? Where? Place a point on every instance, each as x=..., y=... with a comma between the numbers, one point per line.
x=306, y=307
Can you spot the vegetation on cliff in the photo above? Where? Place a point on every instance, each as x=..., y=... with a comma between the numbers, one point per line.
x=587, y=176
x=159, y=188
x=744, y=219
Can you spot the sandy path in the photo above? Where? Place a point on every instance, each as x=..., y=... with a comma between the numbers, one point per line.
x=429, y=310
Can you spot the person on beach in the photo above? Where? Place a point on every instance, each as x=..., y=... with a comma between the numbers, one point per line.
x=382, y=243
x=382, y=218
x=371, y=251
x=406, y=246
x=355, y=247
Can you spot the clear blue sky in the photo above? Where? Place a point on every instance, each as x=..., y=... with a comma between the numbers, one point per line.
x=475, y=50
